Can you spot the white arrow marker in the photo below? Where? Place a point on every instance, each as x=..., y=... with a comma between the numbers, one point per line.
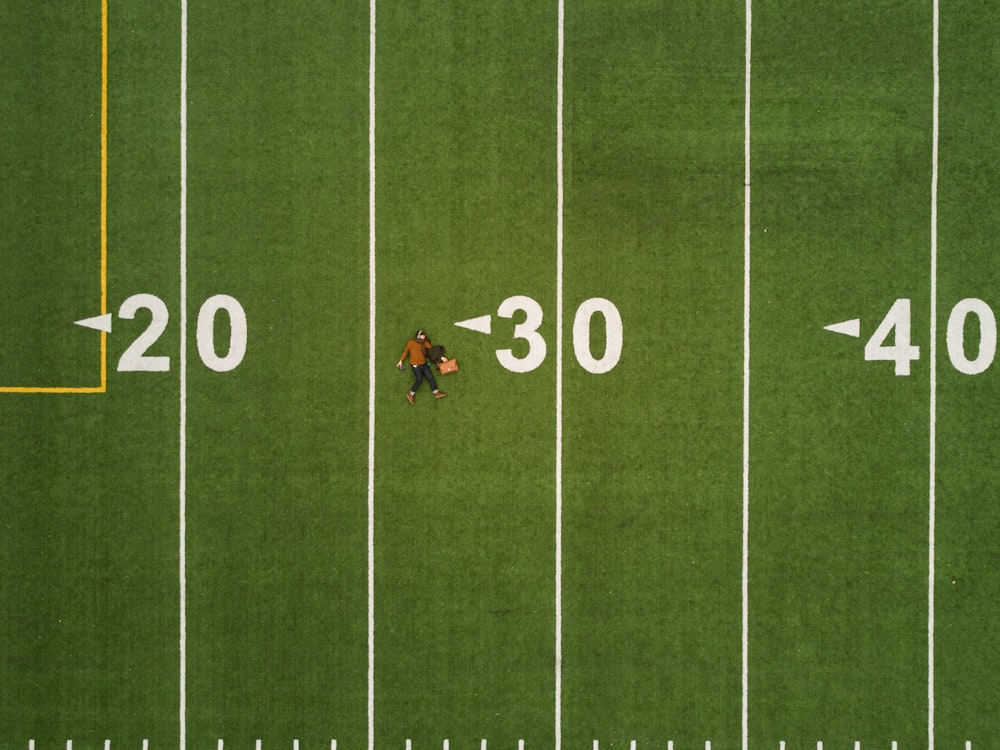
x=848, y=327
x=483, y=324
x=100, y=323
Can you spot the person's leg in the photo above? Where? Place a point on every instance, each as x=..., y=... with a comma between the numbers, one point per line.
x=429, y=374
x=433, y=383
x=418, y=373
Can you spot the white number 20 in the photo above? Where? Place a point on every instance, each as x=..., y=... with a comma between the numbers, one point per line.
x=135, y=357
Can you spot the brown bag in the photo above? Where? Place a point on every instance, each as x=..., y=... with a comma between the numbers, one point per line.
x=447, y=366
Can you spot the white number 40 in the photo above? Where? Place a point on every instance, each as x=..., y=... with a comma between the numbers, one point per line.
x=897, y=324
x=136, y=359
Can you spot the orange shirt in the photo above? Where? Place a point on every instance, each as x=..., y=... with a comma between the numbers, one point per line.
x=416, y=352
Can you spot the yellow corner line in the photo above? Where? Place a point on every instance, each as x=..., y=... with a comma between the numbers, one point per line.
x=103, y=387
x=41, y=389
x=104, y=189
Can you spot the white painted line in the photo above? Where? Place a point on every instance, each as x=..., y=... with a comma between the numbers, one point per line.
x=520, y=745
x=445, y=745
x=745, y=595
x=482, y=745
x=932, y=460
x=819, y=745
x=857, y=745
x=69, y=744
x=596, y=745
x=221, y=745
x=631, y=745
x=145, y=745
x=560, y=185
x=708, y=745
x=409, y=745
x=781, y=745
x=182, y=449
x=31, y=745
x=295, y=745
x=107, y=744
x=333, y=744
x=371, y=376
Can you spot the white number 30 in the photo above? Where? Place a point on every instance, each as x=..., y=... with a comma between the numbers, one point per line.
x=528, y=330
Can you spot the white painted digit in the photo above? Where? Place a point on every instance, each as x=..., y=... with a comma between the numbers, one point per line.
x=134, y=358
x=987, y=336
x=900, y=352
x=528, y=330
x=613, y=339
x=237, y=333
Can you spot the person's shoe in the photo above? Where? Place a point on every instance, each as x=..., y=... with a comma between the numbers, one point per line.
x=409, y=397
x=438, y=394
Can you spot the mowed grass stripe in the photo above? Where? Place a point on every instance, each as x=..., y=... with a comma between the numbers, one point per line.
x=839, y=476
x=653, y=520
x=466, y=137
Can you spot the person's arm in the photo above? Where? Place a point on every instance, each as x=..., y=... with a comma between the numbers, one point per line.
x=403, y=356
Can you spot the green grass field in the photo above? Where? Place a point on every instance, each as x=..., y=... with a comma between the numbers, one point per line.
x=749, y=533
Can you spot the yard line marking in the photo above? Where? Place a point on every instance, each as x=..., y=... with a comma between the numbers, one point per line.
x=31, y=745
x=520, y=745
x=333, y=744
x=560, y=53
x=295, y=745
x=482, y=745
x=145, y=745
x=631, y=745
x=445, y=745
x=745, y=594
x=257, y=745
x=371, y=376
x=932, y=437
x=182, y=450
x=409, y=745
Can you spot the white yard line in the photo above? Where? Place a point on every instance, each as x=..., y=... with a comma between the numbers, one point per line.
x=182, y=554
x=745, y=710
x=932, y=462
x=559, y=370
x=371, y=376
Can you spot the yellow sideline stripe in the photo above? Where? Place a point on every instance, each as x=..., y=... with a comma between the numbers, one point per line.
x=103, y=387
x=104, y=189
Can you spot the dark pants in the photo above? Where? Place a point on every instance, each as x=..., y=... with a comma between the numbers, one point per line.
x=420, y=372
